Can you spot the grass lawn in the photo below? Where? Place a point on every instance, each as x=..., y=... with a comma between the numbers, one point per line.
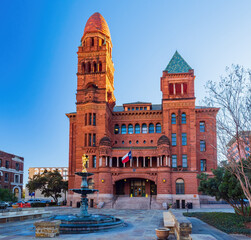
x=226, y=222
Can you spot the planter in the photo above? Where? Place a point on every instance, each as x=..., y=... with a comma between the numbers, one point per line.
x=14, y=206
x=162, y=233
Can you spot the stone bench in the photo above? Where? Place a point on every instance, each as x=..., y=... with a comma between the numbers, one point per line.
x=47, y=229
x=168, y=221
x=179, y=225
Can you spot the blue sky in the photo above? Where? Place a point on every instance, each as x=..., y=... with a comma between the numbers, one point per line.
x=38, y=60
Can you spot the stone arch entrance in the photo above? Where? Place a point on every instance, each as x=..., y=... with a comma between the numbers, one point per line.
x=135, y=187
x=17, y=192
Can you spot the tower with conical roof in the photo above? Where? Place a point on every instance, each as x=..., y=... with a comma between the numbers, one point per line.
x=178, y=100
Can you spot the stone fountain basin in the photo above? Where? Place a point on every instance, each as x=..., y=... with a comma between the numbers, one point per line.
x=85, y=190
x=85, y=224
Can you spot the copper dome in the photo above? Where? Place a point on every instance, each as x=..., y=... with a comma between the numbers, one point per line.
x=97, y=23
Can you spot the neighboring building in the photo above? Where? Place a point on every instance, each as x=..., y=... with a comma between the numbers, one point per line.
x=171, y=142
x=11, y=173
x=39, y=170
x=239, y=147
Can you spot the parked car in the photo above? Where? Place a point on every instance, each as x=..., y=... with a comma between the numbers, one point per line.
x=23, y=204
x=45, y=201
x=33, y=200
x=3, y=205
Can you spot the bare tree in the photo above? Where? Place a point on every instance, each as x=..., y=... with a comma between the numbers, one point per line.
x=233, y=96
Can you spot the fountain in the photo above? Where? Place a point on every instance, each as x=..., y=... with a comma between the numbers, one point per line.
x=85, y=222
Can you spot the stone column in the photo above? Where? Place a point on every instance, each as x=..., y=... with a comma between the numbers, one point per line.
x=166, y=161
x=100, y=161
x=123, y=164
x=169, y=162
x=151, y=161
x=137, y=161
x=157, y=161
x=106, y=161
x=161, y=161
x=117, y=162
x=110, y=159
x=174, y=90
x=182, y=91
x=131, y=162
x=144, y=161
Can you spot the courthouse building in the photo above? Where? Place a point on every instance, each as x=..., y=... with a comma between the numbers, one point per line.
x=171, y=142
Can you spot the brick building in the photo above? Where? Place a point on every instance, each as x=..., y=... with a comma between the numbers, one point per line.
x=11, y=173
x=39, y=170
x=239, y=147
x=171, y=142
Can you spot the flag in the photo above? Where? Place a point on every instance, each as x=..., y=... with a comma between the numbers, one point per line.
x=127, y=157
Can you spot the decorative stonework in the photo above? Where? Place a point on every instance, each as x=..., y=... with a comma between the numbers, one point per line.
x=47, y=229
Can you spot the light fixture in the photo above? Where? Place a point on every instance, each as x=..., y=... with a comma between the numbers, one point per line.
x=125, y=180
x=163, y=180
x=102, y=180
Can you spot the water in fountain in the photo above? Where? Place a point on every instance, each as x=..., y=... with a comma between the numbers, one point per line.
x=85, y=222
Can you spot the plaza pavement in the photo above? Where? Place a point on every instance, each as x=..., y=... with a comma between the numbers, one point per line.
x=140, y=225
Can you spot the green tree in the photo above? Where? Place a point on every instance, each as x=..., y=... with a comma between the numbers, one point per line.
x=7, y=195
x=224, y=185
x=51, y=184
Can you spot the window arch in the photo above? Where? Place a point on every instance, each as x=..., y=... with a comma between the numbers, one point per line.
x=144, y=128
x=88, y=67
x=137, y=128
x=183, y=118
x=94, y=67
x=116, y=129
x=158, y=128
x=180, y=186
x=151, y=128
x=83, y=67
x=130, y=129
x=123, y=129
x=173, y=118
x=100, y=67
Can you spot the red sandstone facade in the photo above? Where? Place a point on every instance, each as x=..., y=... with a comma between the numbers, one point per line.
x=171, y=142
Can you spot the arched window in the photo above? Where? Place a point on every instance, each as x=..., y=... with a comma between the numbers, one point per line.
x=151, y=128
x=100, y=67
x=94, y=67
x=88, y=67
x=116, y=129
x=83, y=68
x=183, y=118
x=137, y=128
x=180, y=186
x=173, y=120
x=123, y=129
x=144, y=128
x=158, y=128
x=130, y=129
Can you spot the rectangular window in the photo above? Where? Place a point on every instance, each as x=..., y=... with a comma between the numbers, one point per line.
x=203, y=165
x=6, y=177
x=184, y=139
x=202, y=145
x=184, y=161
x=94, y=161
x=7, y=164
x=85, y=119
x=94, y=140
x=86, y=140
x=90, y=119
x=90, y=140
x=94, y=119
x=202, y=126
x=174, y=161
x=16, y=179
x=17, y=166
x=174, y=140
